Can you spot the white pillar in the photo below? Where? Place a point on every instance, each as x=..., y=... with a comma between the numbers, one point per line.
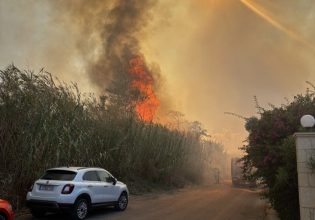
x=305, y=149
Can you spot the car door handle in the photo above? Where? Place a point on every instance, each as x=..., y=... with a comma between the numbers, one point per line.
x=90, y=185
x=105, y=186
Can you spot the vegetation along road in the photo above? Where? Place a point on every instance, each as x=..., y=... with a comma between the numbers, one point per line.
x=215, y=202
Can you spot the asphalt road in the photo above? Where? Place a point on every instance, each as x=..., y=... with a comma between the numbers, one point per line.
x=213, y=202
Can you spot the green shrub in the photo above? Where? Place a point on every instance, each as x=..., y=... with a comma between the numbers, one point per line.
x=270, y=152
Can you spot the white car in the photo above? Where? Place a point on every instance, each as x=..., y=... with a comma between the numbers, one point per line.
x=76, y=190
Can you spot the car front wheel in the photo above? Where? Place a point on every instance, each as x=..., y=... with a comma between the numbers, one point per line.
x=2, y=217
x=122, y=202
x=80, y=209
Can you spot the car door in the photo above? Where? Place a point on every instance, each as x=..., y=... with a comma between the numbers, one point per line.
x=94, y=185
x=110, y=191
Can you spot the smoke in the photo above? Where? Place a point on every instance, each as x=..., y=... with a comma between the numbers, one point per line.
x=90, y=42
x=118, y=24
x=214, y=55
x=34, y=35
x=222, y=54
x=120, y=37
x=117, y=27
x=262, y=13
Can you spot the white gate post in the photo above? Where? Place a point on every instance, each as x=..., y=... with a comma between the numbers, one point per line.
x=305, y=149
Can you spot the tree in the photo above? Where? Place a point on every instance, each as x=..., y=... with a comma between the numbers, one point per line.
x=270, y=153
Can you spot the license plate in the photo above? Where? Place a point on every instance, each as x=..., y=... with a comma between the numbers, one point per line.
x=46, y=187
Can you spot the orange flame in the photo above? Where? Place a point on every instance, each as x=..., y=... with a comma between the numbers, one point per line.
x=143, y=81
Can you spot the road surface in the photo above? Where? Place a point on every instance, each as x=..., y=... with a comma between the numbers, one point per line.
x=213, y=202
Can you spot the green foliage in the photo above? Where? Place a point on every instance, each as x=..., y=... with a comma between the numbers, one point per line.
x=46, y=124
x=270, y=154
x=284, y=193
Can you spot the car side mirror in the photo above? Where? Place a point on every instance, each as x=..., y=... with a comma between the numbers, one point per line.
x=114, y=181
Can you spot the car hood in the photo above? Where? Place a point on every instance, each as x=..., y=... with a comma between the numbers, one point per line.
x=121, y=184
x=3, y=201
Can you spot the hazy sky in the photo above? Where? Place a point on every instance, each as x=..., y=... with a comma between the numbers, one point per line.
x=213, y=55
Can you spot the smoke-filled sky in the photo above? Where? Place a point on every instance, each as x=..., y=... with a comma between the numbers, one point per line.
x=207, y=56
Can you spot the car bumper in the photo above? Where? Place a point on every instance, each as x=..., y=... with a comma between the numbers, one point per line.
x=11, y=216
x=48, y=205
x=8, y=214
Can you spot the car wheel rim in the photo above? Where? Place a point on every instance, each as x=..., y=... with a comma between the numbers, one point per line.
x=82, y=210
x=123, y=201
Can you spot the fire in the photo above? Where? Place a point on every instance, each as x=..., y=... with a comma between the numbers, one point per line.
x=143, y=81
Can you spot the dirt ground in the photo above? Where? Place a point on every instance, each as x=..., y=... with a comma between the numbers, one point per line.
x=215, y=202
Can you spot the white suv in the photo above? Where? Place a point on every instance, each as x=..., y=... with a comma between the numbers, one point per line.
x=76, y=190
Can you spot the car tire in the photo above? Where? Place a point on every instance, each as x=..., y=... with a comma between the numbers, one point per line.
x=38, y=213
x=2, y=217
x=122, y=202
x=80, y=209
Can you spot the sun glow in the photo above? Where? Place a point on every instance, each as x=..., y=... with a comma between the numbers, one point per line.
x=257, y=9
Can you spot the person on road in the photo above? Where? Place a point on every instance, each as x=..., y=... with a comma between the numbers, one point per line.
x=217, y=175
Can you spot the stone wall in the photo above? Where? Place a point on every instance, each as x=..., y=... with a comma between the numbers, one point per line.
x=305, y=149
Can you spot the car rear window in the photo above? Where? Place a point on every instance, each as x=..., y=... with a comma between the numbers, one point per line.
x=59, y=175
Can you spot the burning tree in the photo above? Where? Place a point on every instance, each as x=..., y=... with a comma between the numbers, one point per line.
x=142, y=81
x=121, y=69
x=132, y=91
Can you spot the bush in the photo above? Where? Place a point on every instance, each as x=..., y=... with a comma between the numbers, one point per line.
x=271, y=154
x=44, y=123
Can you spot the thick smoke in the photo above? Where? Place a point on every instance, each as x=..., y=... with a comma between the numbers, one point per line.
x=116, y=26
x=215, y=54
x=120, y=38
x=220, y=54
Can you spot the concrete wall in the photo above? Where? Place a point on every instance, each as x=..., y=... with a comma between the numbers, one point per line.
x=305, y=148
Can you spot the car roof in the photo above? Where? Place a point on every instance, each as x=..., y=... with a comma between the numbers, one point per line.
x=76, y=169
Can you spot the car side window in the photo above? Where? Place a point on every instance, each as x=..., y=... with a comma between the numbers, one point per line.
x=104, y=176
x=91, y=176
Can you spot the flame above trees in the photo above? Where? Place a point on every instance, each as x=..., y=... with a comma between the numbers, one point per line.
x=147, y=102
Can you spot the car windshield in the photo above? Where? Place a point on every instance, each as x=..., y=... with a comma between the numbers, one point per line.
x=59, y=175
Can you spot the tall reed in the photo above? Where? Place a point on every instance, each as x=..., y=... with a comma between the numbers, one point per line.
x=45, y=123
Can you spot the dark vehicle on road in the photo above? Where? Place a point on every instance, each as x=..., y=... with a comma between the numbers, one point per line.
x=237, y=174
